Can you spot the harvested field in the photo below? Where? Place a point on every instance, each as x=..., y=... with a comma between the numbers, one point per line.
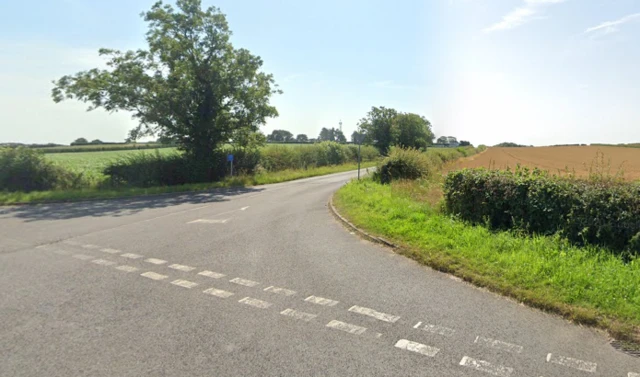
x=581, y=160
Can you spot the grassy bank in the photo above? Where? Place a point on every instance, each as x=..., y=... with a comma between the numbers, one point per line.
x=239, y=181
x=588, y=285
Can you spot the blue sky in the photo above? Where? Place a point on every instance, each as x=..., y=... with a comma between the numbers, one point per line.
x=530, y=71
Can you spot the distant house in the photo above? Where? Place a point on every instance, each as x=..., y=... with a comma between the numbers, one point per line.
x=447, y=142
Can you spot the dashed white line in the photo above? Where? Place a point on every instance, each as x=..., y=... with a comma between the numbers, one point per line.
x=90, y=246
x=208, y=221
x=631, y=374
x=298, y=314
x=435, y=329
x=417, y=325
x=82, y=256
x=422, y=349
x=181, y=267
x=245, y=282
x=126, y=268
x=217, y=292
x=244, y=208
x=374, y=314
x=485, y=366
x=131, y=256
x=103, y=262
x=184, y=283
x=211, y=274
x=155, y=261
x=154, y=276
x=280, y=291
x=570, y=362
x=498, y=344
x=321, y=301
x=42, y=247
x=346, y=327
x=111, y=251
x=255, y=302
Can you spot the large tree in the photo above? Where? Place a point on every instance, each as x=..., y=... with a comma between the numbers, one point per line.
x=378, y=127
x=280, y=136
x=302, y=138
x=332, y=134
x=412, y=131
x=190, y=85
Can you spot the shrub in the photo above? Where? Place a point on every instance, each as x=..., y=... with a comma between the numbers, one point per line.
x=25, y=169
x=605, y=213
x=403, y=164
x=281, y=157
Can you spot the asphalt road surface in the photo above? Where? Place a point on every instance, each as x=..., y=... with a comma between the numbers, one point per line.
x=255, y=282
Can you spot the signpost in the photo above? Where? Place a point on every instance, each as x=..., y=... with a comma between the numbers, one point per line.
x=359, y=139
x=230, y=159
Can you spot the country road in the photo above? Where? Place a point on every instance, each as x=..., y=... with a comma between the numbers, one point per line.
x=260, y=281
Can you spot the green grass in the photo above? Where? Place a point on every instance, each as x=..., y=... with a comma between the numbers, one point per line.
x=96, y=161
x=240, y=181
x=587, y=285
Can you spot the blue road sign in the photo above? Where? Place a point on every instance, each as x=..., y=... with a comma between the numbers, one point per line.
x=229, y=158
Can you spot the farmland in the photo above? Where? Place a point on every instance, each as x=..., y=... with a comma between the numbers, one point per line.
x=575, y=159
x=95, y=162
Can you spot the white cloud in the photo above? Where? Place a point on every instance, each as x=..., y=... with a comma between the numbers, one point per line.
x=612, y=26
x=521, y=15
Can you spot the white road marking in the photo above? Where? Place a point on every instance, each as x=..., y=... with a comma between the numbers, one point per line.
x=245, y=282
x=61, y=252
x=498, y=344
x=131, y=255
x=374, y=314
x=347, y=327
x=154, y=276
x=184, y=283
x=82, y=256
x=217, y=292
x=298, y=314
x=321, y=301
x=90, y=246
x=631, y=374
x=244, y=208
x=435, y=329
x=155, y=261
x=42, y=247
x=280, y=291
x=103, y=262
x=211, y=274
x=181, y=267
x=422, y=349
x=255, y=302
x=111, y=251
x=126, y=268
x=208, y=221
x=484, y=366
x=572, y=363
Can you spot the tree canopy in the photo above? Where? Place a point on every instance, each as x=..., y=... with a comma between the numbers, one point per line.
x=280, y=136
x=332, y=134
x=385, y=127
x=302, y=138
x=80, y=141
x=412, y=131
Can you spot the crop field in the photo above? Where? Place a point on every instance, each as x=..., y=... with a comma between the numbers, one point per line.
x=95, y=162
x=580, y=160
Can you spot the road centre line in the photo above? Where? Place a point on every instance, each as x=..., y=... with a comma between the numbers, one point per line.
x=131, y=256
x=208, y=221
x=110, y=251
x=321, y=301
x=298, y=314
x=374, y=314
x=245, y=282
x=126, y=268
x=498, y=344
x=570, y=362
x=255, y=302
x=631, y=374
x=82, y=256
x=487, y=367
x=346, y=327
x=244, y=208
x=155, y=261
x=217, y=292
x=154, y=276
x=211, y=274
x=90, y=246
x=103, y=262
x=422, y=349
x=181, y=267
x=280, y=291
x=435, y=329
x=184, y=283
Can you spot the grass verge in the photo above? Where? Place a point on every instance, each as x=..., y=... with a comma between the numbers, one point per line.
x=239, y=181
x=587, y=285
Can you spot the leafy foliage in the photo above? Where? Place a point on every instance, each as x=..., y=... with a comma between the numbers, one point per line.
x=332, y=134
x=80, y=141
x=302, y=138
x=412, y=131
x=403, y=164
x=280, y=136
x=25, y=169
x=509, y=145
x=384, y=128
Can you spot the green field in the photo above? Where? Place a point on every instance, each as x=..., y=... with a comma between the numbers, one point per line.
x=95, y=162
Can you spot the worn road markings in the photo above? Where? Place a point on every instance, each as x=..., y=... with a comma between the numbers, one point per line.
x=498, y=344
x=155, y=261
x=90, y=246
x=280, y=291
x=103, y=262
x=61, y=252
x=82, y=256
x=69, y=242
x=131, y=255
x=485, y=366
x=346, y=327
x=184, y=283
x=42, y=247
x=298, y=314
x=208, y=221
x=217, y=292
x=422, y=349
x=126, y=268
x=374, y=314
x=321, y=301
x=153, y=275
x=572, y=363
x=245, y=282
x=631, y=374
x=110, y=251
x=244, y=208
x=255, y=302
x=440, y=330
x=181, y=267
x=211, y=274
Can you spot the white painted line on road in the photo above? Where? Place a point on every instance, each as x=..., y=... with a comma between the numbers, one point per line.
x=422, y=349
x=126, y=268
x=217, y=292
x=572, y=363
x=321, y=301
x=103, y=262
x=181, y=267
x=61, y=252
x=42, y=247
x=631, y=374
x=280, y=291
x=211, y=274
x=208, y=221
x=255, y=302
x=244, y=208
x=154, y=276
x=298, y=314
x=82, y=256
x=374, y=314
x=347, y=327
x=132, y=256
x=184, y=283
x=485, y=366
x=498, y=344
x=155, y=261
x=245, y=282
x=111, y=251
x=435, y=329
x=90, y=246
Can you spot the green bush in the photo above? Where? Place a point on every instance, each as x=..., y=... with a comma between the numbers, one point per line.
x=281, y=157
x=24, y=169
x=403, y=164
x=605, y=213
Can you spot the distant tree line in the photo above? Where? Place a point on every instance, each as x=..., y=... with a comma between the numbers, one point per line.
x=511, y=145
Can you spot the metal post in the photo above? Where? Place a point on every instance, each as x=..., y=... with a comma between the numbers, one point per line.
x=359, y=159
x=231, y=163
